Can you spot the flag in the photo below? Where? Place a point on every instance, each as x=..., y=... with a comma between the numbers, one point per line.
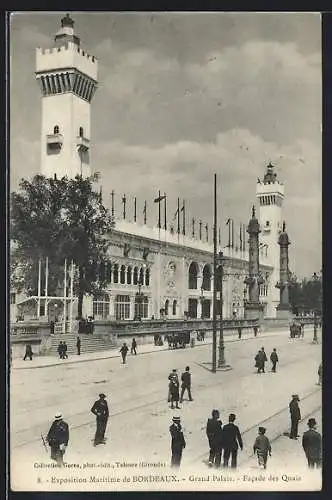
x=144, y=209
x=176, y=213
x=159, y=199
x=228, y=221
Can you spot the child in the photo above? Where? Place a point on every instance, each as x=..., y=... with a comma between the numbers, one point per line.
x=262, y=446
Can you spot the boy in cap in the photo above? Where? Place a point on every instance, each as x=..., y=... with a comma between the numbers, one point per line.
x=100, y=409
x=312, y=445
x=57, y=438
x=262, y=446
x=178, y=442
x=295, y=415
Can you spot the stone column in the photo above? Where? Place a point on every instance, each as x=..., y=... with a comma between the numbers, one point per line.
x=253, y=308
x=283, y=308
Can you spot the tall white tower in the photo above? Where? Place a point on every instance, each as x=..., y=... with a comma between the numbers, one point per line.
x=67, y=76
x=270, y=194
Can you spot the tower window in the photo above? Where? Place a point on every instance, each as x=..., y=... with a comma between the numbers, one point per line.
x=267, y=223
x=56, y=129
x=81, y=132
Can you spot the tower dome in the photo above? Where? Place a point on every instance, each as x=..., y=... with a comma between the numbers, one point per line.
x=66, y=32
x=270, y=176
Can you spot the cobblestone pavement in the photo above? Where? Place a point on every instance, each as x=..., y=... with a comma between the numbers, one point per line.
x=140, y=416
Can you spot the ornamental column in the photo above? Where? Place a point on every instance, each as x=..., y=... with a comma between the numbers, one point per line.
x=283, y=308
x=253, y=308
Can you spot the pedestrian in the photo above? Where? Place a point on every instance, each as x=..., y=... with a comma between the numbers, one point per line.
x=239, y=330
x=214, y=434
x=178, y=442
x=320, y=373
x=186, y=384
x=52, y=327
x=174, y=389
x=170, y=376
x=57, y=438
x=274, y=359
x=262, y=446
x=133, y=346
x=60, y=350
x=231, y=441
x=312, y=445
x=255, y=330
x=28, y=352
x=264, y=358
x=260, y=361
x=78, y=345
x=124, y=349
x=100, y=409
x=295, y=415
x=302, y=328
x=65, y=348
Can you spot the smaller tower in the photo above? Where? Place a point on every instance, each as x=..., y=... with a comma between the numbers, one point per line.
x=283, y=309
x=253, y=308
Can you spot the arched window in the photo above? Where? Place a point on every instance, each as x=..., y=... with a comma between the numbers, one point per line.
x=174, y=308
x=141, y=276
x=116, y=273
x=110, y=268
x=193, y=271
x=166, y=307
x=206, y=285
x=56, y=129
x=135, y=276
x=147, y=277
x=81, y=132
x=129, y=276
x=123, y=275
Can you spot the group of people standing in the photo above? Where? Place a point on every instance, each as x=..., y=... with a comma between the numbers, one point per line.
x=261, y=359
x=174, y=395
x=62, y=350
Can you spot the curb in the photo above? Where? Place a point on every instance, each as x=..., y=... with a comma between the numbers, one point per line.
x=110, y=356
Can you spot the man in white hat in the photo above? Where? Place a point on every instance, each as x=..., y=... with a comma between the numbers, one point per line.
x=178, y=442
x=57, y=438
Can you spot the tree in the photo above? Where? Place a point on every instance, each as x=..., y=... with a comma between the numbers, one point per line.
x=59, y=219
x=306, y=295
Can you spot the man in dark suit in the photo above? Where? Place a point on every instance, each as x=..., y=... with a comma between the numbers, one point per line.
x=312, y=445
x=57, y=438
x=214, y=434
x=295, y=415
x=186, y=384
x=100, y=409
x=178, y=442
x=231, y=441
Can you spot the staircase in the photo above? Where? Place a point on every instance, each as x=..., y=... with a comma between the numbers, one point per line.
x=89, y=343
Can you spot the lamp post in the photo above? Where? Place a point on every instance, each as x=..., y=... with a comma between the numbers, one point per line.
x=221, y=349
x=139, y=299
x=244, y=299
x=202, y=301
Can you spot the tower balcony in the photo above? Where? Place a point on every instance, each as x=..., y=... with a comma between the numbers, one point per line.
x=83, y=144
x=54, y=141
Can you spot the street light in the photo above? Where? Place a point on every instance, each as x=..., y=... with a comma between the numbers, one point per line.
x=221, y=349
x=202, y=301
x=139, y=296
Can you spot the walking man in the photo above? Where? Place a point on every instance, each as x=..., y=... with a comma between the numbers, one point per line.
x=259, y=359
x=295, y=415
x=28, y=352
x=186, y=384
x=264, y=358
x=57, y=438
x=214, y=434
x=231, y=441
x=100, y=409
x=312, y=445
x=274, y=359
x=173, y=389
x=60, y=350
x=65, y=348
x=133, y=346
x=262, y=446
x=178, y=442
x=124, y=349
x=78, y=346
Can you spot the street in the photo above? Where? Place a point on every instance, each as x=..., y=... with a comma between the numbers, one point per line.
x=138, y=428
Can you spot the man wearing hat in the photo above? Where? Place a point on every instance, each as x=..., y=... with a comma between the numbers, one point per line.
x=231, y=441
x=262, y=446
x=100, y=409
x=312, y=445
x=178, y=442
x=214, y=434
x=57, y=438
x=295, y=415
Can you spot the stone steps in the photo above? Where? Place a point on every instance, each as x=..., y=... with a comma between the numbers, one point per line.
x=89, y=343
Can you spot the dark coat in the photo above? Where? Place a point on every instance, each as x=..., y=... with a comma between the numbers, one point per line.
x=274, y=357
x=231, y=437
x=78, y=343
x=312, y=444
x=178, y=441
x=214, y=432
x=134, y=344
x=294, y=410
x=264, y=357
x=124, y=350
x=186, y=379
x=58, y=434
x=100, y=409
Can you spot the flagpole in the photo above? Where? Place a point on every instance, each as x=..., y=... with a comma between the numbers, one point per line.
x=232, y=234
x=165, y=213
x=184, y=218
x=65, y=297
x=71, y=295
x=145, y=212
x=159, y=214
x=135, y=214
x=214, y=297
x=46, y=288
x=178, y=212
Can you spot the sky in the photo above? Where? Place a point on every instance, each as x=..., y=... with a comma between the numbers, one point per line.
x=182, y=96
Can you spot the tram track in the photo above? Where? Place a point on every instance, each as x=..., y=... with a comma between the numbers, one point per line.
x=37, y=429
